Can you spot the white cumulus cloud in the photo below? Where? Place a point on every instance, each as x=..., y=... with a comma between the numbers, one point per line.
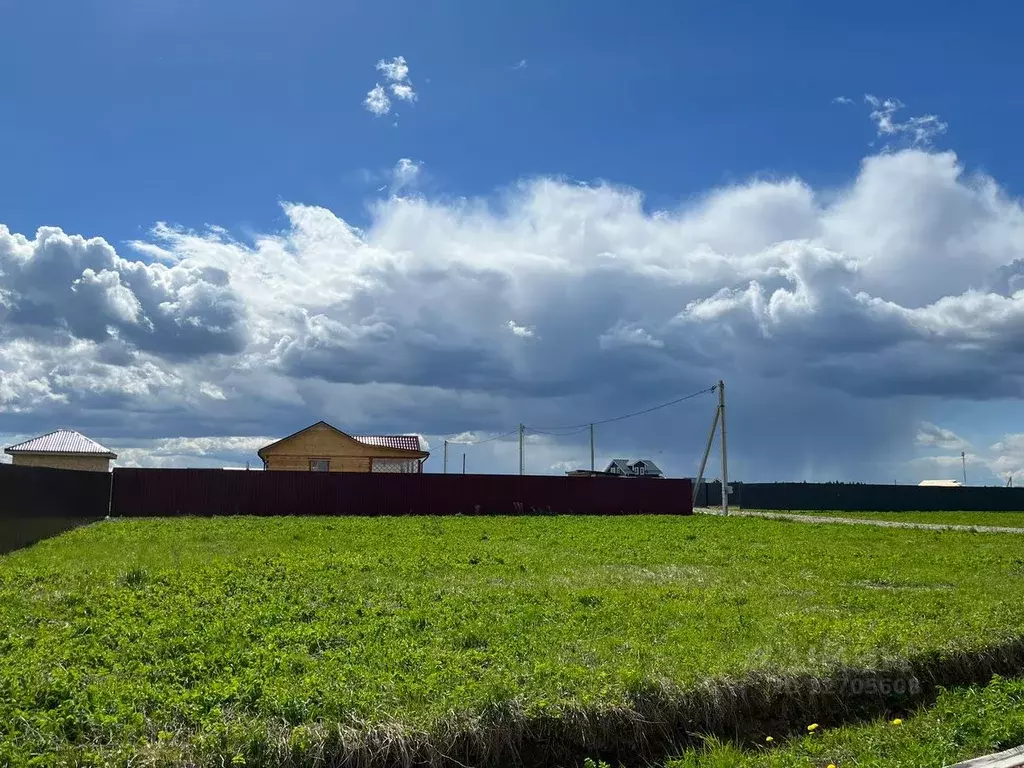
x=919, y=131
x=521, y=331
x=377, y=101
x=405, y=174
x=625, y=335
x=403, y=91
x=843, y=310
x=396, y=72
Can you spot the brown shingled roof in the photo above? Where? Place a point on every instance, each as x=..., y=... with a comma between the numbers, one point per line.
x=404, y=442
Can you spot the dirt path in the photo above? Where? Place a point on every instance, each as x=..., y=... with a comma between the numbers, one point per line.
x=878, y=523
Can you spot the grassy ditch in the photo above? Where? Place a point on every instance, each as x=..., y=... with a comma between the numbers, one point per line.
x=963, y=723
x=288, y=641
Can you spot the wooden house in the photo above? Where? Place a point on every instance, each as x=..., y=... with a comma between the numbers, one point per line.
x=323, y=448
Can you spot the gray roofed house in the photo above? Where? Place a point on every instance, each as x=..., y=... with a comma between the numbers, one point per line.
x=645, y=467
x=633, y=468
x=62, y=449
x=618, y=467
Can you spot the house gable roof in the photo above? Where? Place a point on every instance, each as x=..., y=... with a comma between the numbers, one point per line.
x=621, y=465
x=410, y=443
x=62, y=441
x=649, y=465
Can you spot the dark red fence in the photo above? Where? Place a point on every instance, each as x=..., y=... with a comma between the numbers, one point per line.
x=37, y=502
x=163, y=492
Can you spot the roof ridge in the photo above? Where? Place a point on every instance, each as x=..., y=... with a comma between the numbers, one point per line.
x=65, y=443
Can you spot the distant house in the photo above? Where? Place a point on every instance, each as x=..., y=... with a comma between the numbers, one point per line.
x=942, y=483
x=633, y=468
x=323, y=448
x=62, y=449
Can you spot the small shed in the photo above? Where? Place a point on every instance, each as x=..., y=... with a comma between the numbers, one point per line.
x=62, y=449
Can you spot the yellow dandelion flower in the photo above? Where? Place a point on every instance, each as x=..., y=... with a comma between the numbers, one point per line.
x=831, y=765
x=812, y=727
x=897, y=721
x=769, y=739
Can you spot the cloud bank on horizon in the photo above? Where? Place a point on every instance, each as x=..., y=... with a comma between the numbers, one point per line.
x=836, y=317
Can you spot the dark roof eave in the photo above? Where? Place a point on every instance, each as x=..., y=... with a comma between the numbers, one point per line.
x=93, y=454
x=410, y=451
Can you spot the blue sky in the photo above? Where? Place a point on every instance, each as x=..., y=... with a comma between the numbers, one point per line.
x=193, y=112
x=119, y=115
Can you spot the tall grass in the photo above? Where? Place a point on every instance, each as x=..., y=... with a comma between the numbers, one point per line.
x=962, y=724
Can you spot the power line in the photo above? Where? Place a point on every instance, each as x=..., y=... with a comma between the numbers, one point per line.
x=481, y=442
x=574, y=431
x=581, y=427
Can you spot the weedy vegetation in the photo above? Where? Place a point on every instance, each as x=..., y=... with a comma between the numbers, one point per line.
x=482, y=640
x=963, y=723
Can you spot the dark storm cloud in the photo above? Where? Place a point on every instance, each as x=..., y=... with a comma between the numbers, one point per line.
x=834, y=319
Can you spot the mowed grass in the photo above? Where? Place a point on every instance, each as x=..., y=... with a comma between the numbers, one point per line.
x=998, y=519
x=269, y=641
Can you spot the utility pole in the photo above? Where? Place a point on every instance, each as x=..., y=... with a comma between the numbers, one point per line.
x=718, y=420
x=463, y=463
x=591, y=447
x=725, y=453
x=963, y=460
x=446, y=457
x=707, y=452
x=522, y=433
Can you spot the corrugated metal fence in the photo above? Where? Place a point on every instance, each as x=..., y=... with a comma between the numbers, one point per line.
x=853, y=497
x=164, y=492
x=36, y=503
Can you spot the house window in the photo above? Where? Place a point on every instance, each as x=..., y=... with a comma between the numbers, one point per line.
x=641, y=469
x=319, y=465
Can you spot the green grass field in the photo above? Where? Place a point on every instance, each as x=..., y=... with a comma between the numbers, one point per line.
x=1000, y=519
x=283, y=641
x=963, y=723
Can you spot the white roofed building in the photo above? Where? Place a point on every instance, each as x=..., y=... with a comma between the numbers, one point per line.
x=62, y=449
